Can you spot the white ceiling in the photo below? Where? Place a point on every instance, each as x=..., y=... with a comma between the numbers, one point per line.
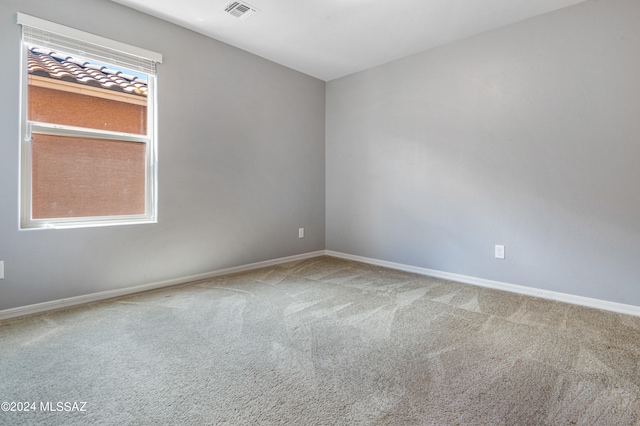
x=332, y=38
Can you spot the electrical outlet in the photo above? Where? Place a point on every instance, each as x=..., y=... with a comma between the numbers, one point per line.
x=499, y=252
x=300, y=232
x=1, y=269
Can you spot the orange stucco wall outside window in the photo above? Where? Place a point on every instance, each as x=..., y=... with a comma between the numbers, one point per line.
x=81, y=177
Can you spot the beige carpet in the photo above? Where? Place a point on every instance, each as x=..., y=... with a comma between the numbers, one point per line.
x=320, y=342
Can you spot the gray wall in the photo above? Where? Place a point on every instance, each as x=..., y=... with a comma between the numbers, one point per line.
x=527, y=136
x=241, y=164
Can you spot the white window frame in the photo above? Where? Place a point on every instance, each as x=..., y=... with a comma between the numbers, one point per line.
x=90, y=47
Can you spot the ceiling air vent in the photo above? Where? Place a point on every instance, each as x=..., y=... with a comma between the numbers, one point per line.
x=240, y=10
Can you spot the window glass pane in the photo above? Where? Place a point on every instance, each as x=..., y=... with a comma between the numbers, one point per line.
x=79, y=177
x=73, y=92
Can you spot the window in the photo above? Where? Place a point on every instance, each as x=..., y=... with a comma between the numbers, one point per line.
x=88, y=129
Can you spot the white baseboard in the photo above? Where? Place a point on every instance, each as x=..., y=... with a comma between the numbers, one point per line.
x=513, y=288
x=96, y=297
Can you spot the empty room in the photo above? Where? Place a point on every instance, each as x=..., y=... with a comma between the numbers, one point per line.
x=354, y=212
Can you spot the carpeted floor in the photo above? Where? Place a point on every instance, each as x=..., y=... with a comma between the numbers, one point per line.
x=320, y=342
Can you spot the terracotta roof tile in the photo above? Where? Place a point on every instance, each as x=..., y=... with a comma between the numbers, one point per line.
x=46, y=63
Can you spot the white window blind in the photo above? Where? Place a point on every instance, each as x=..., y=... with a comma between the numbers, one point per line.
x=74, y=42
